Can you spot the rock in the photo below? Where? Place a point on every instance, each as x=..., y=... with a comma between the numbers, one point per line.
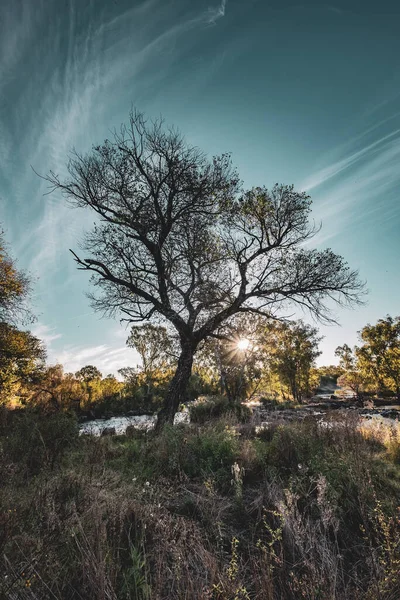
x=368, y=404
x=108, y=431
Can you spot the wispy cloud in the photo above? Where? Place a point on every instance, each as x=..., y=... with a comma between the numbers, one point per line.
x=377, y=148
x=360, y=186
x=45, y=333
x=85, y=66
x=217, y=13
x=106, y=358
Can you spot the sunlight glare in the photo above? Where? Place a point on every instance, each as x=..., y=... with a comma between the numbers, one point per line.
x=243, y=344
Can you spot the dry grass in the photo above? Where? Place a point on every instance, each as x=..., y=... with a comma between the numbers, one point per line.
x=208, y=512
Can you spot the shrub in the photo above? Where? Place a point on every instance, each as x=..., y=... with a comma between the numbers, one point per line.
x=212, y=451
x=35, y=441
x=182, y=452
x=212, y=407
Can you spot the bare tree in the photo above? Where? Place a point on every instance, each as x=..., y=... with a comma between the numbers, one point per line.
x=178, y=239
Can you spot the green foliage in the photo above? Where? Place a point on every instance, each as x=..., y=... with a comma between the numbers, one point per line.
x=292, y=350
x=88, y=373
x=135, y=585
x=208, y=407
x=211, y=407
x=177, y=452
x=22, y=358
x=14, y=288
x=22, y=355
x=153, y=344
x=379, y=355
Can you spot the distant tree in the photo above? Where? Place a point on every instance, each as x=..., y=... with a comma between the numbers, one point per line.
x=379, y=355
x=179, y=240
x=352, y=378
x=88, y=373
x=153, y=344
x=354, y=381
x=155, y=348
x=90, y=378
x=239, y=369
x=347, y=358
x=48, y=392
x=129, y=374
x=110, y=386
x=330, y=372
x=293, y=349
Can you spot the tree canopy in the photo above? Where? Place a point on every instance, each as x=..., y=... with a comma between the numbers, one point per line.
x=379, y=355
x=14, y=288
x=178, y=240
x=22, y=355
x=293, y=349
x=153, y=344
x=88, y=373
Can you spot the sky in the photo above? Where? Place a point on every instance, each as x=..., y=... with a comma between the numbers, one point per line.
x=299, y=92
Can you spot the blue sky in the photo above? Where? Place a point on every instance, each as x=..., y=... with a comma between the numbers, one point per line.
x=300, y=92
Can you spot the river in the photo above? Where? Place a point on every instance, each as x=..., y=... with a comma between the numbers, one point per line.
x=120, y=424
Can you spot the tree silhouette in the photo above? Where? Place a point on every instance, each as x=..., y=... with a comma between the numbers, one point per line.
x=177, y=239
x=88, y=373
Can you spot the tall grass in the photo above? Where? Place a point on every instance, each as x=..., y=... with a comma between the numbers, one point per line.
x=200, y=512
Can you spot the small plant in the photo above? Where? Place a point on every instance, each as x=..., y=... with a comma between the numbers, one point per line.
x=135, y=585
x=271, y=547
x=230, y=588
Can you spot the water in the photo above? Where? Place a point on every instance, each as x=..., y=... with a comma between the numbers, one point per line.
x=121, y=423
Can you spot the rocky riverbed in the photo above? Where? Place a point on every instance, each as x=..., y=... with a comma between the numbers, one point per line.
x=322, y=408
x=262, y=414
x=119, y=425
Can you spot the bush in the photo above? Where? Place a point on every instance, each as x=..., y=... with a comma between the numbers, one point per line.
x=35, y=441
x=212, y=407
x=274, y=404
x=182, y=452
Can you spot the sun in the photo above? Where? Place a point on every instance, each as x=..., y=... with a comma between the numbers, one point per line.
x=243, y=344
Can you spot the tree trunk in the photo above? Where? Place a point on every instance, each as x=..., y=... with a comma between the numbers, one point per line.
x=176, y=393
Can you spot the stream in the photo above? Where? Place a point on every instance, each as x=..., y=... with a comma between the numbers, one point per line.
x=97, y=426
x=389, y=414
